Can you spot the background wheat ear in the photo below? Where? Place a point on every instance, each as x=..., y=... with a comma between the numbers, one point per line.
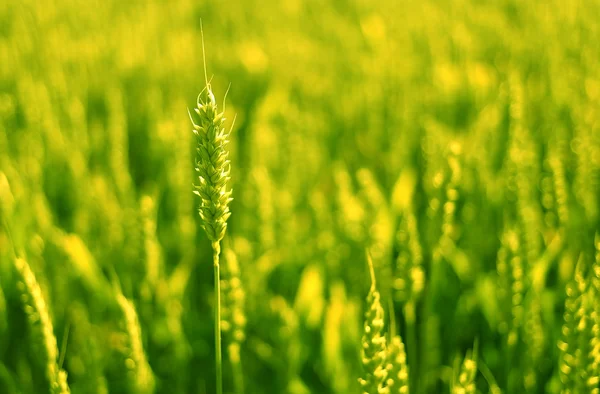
x=139, y=374
x=397, y=382
x=40, y=327
x=374, y=352
x=233, y=321
x=464, y=377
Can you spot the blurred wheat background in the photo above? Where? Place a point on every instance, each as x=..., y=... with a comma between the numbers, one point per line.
x=457, y=143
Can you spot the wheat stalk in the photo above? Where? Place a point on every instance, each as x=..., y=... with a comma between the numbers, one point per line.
x=213, y=168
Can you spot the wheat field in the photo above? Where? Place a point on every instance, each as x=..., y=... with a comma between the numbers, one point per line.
x=328, y=197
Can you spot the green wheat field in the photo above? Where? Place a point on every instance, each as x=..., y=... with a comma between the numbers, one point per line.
x=299, y=196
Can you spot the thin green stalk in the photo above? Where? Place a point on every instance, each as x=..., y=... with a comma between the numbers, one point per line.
x=217, y=277
x=411, y=340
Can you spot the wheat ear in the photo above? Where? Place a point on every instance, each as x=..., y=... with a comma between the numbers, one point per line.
x=141, y=378
x=374, y=352
x=213, y=167
x=594, y=353
x=41, y=326
x=233, y=321
x=464, y=378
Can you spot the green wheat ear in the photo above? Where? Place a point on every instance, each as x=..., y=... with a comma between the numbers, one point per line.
x=40, y=325
x=374, y=352
x=139, y=374
x=213, y=167
x=212, y=162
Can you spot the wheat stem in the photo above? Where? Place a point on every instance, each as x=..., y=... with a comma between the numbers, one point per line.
x=411, y=335
x=217, y=277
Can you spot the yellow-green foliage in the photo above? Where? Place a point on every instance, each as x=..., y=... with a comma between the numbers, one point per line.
x=457, y=141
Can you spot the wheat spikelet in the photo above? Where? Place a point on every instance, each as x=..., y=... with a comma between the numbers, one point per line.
x=40, y=326
x=374, y=352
